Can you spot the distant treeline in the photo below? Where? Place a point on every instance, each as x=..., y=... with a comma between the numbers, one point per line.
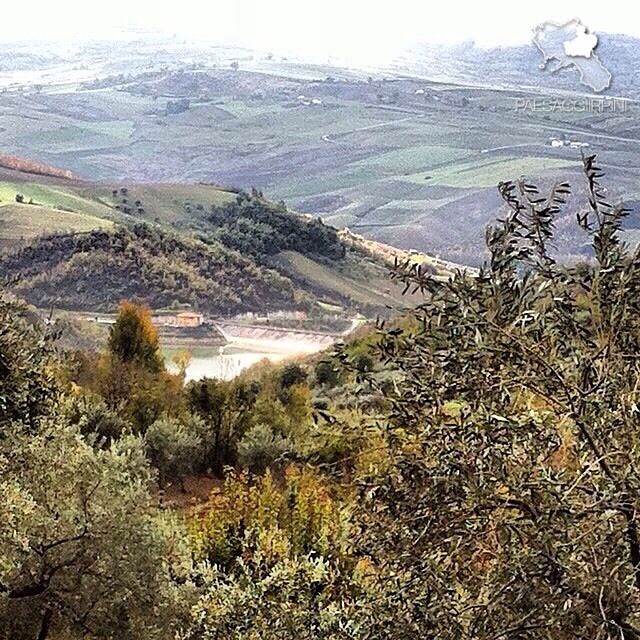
x=31, y=166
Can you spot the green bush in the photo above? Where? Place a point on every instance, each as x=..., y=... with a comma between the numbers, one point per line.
x=261, y=447
x=96, y=420
x=173, y=448
x=292, y=374
x=326, y=374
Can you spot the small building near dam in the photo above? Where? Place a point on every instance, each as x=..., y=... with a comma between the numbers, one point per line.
x=186, y=319
x=189, y=319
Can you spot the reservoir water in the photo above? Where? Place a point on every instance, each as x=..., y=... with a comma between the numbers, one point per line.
x=227, y=362
x=223, y=363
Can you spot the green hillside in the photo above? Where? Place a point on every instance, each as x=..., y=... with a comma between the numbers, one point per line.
x=165, y=203
x=25, y=221
x=316, y=276
x=86, y=246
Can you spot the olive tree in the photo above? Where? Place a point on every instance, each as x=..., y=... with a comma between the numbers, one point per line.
x=505, y=504
x=28, y=384
x=81, y=549
x=175, y=447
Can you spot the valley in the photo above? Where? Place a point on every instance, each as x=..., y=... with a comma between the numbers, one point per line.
x=396, y=154
x=335, y=336
x=230, y=278
x=84, y=246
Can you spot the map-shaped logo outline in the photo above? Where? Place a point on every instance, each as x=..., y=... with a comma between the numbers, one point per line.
x=553, y=39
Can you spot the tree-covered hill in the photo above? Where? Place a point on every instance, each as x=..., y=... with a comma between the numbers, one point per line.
x=86, y=246
x=96, y=270
x=260, y=229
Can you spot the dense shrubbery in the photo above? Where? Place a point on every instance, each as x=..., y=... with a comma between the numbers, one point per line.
x=203, y=426
x=506, y=502
x=260, y=448
x=299, y=511
x=81, y=550
x=27, y=370
x=98, y=269
x=174, y=448
x=281, y=565
x=258, y=228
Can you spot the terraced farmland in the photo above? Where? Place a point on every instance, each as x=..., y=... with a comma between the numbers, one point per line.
x=399, y=158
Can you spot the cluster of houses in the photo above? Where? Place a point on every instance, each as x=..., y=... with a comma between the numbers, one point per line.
x=573, y=144
x=308, y=102
x=184, y=319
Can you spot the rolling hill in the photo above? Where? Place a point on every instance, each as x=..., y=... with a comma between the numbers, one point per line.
x=407, y=154
x=86, y=245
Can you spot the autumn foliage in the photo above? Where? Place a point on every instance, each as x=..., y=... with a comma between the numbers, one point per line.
x=31, y=166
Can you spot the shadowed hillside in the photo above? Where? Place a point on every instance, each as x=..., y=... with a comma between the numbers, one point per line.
x=85, y=246
x=96, y=270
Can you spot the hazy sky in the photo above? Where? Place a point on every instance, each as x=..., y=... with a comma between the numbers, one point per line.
x=359, y=29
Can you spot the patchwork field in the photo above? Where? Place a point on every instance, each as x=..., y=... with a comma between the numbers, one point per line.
x=399, y=158
x=474, y=174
